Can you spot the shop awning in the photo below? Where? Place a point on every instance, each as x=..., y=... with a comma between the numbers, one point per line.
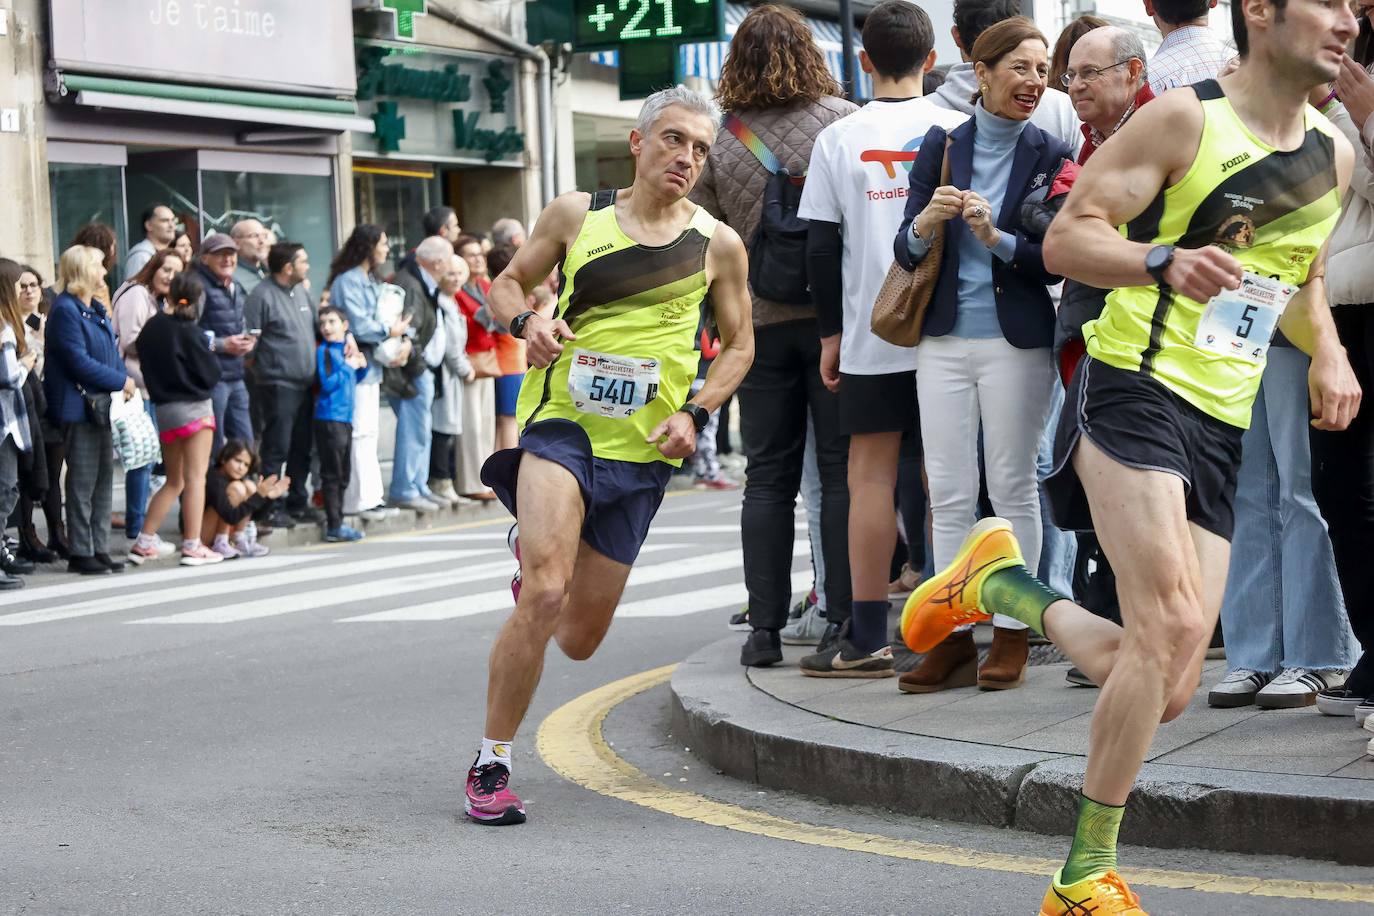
x=706, y=59
x=220, y=104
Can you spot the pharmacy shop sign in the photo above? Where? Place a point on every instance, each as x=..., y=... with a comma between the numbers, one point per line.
x=438, y=107
x=298, y=46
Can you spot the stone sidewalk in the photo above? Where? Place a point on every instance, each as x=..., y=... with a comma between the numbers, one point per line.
x=1292, y=782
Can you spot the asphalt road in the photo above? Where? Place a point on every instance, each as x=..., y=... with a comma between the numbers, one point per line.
x=290, y=735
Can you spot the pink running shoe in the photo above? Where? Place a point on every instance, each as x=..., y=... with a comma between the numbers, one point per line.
x=488, y=800
x=513, y=542
x=200, y=556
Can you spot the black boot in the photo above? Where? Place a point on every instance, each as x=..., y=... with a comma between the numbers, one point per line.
x=761, y=649
x=31, y=548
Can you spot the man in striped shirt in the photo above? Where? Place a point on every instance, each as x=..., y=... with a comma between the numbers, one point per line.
x=1191, y=51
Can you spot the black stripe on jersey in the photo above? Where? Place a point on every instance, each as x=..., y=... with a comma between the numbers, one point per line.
x=1158, y=321
x=1145, y=227
x=624, y=273
x=1284, y=182
x=548, y=389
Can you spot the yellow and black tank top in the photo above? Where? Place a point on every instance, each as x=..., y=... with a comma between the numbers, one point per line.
x=637, y=311
x=1271, y=209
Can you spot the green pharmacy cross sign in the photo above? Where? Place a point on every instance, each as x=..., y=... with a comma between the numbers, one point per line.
x=615, y=23
x=405, y=12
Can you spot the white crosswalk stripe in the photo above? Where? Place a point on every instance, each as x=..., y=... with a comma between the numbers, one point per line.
x=669, y=570
x=702, y=599
x=314, y=570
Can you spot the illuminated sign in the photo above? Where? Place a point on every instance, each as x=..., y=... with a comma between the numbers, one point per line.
x=609, y=23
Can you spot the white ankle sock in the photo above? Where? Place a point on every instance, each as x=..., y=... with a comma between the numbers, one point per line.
x=189, y=544
x=147, y=540
x=494, y=752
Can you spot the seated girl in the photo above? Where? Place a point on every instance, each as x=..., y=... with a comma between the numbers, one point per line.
x=233, y=497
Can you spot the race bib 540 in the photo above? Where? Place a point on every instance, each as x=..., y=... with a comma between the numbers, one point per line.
x=611, y=386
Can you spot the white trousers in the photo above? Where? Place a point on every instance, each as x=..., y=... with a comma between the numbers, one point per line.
x=964, y=385
x=478, y=439
x=365, y=485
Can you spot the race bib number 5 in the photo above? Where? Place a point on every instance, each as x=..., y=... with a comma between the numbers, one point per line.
x=611, y=386
x=1241, y=322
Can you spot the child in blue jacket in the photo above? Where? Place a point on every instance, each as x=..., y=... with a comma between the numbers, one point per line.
x=338, y=376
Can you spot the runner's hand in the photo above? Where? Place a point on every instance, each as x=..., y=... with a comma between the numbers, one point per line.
x=676, y=437
x=830, y=362
x=543, y=339
x=1334, y=390
x=946, y=203
x=1201, y=273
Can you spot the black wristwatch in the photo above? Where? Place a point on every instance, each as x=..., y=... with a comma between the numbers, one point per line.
x=700, y=415
x=517, y=324
x=1157, y=261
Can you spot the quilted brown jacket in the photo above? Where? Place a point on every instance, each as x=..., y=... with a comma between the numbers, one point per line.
x=731, y=185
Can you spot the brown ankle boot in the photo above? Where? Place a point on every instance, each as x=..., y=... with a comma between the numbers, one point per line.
x=1006, y=663
x=952, y=663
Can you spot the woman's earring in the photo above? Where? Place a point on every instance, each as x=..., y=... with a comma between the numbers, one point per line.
x=983, y=89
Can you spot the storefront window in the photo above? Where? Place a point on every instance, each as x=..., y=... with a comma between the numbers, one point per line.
x=83, y=194
x=298, y=208
x=397, y=203
x=150, y=184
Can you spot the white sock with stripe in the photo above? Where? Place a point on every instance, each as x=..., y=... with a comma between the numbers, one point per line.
x=494, y=752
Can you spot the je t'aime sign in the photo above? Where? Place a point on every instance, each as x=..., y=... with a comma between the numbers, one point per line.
x=270, y=45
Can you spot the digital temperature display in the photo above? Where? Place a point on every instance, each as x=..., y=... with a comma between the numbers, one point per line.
x=608, y=23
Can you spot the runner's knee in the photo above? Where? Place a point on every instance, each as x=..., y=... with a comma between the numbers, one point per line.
x=541, y=602
x=578, y=646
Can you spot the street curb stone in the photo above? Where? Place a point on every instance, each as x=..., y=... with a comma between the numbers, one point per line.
x=749, y=734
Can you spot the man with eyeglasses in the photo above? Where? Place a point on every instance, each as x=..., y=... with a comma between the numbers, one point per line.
x=1106, y=82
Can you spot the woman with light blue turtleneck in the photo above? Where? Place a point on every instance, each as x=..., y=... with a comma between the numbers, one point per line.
x=984, y=358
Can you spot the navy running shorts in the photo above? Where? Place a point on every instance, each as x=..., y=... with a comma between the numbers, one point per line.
x=620, y=497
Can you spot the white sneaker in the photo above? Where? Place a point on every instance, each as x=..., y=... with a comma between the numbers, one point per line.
x=374, y=515
x=1363, y=713
x=1296, y=687
x=806, y=630
x=1237, y=688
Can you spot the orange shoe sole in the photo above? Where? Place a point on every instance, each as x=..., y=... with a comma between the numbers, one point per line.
x=942, y=602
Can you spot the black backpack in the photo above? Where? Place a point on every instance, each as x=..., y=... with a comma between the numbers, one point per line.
x=777, y=252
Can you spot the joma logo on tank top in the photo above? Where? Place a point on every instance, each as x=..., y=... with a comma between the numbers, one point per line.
x=1234, y=161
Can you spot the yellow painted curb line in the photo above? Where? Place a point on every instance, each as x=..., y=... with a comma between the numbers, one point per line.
x=571, y=743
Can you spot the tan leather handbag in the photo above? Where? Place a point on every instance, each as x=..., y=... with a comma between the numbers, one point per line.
x=900, y=309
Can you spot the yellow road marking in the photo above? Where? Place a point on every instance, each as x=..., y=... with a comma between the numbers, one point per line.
x=571, y=742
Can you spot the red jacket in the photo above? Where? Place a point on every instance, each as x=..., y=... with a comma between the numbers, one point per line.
x=479, y=338
x=1141, y=97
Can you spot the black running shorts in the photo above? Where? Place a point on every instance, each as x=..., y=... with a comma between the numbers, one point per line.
x=620, y=497
x=1138, y=422
x=877, y=403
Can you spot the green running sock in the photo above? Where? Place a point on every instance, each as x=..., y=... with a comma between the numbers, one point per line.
x=1094, y=841
x=1015, y=592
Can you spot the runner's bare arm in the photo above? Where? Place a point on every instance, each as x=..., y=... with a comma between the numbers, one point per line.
x=544, y=250
x=1153, y=150
x=727, y=273
x=1307, y=323
x=727, y=270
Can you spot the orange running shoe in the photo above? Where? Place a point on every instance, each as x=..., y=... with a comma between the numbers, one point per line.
x=1104, y=895
x=949, y=599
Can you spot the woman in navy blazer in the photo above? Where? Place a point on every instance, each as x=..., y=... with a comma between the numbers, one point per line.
x=984, y=358
x=82, y=357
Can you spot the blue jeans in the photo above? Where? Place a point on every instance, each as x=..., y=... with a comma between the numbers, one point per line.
x=811, y=498
x=1283, y=605
x=410, y=462
x=136, y=485
x=232, y=420
x=1058, y=549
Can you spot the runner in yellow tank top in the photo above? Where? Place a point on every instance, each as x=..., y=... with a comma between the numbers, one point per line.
x=604, y=411
x=1224, y=193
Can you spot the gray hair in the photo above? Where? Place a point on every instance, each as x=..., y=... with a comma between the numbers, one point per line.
x=505, y=229
x=434, y=248
x=679, y=95
x=1126, y=44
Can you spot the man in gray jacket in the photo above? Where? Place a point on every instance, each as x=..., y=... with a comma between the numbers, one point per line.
x=1054, y=114
x=279, y=313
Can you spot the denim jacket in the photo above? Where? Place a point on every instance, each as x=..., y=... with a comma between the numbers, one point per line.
x=355, y=291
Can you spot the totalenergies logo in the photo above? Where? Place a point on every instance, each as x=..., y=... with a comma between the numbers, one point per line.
x=889, y=158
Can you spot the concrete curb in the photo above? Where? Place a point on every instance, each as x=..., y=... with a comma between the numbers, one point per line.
x=748, y=734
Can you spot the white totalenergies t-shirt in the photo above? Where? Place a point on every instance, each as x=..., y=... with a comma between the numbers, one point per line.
x=858, y=176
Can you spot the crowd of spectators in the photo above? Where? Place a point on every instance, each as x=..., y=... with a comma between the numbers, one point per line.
x=226, y=350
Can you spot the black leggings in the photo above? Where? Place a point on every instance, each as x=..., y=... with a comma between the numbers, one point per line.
x=1343, y=483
